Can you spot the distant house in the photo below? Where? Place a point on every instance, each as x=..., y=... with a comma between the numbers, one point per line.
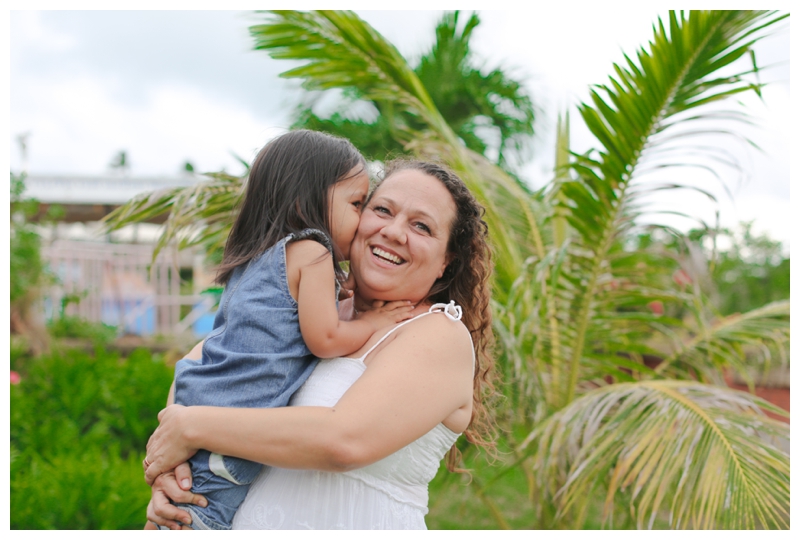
x=114, y=274
x=90, y=198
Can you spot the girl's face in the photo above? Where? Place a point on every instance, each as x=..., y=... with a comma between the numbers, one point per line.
x=345, y=199
x=400, y=248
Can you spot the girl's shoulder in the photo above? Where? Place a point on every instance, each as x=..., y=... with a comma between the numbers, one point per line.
x=312, y=235
x=303, y=252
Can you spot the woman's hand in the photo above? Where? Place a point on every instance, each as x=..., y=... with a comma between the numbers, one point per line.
x=173, y=486
x=168, y=446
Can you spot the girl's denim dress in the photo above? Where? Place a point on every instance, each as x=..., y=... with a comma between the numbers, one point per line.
x=254, y=357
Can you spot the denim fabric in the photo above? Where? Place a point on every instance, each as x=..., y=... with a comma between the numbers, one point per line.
x=254, y=357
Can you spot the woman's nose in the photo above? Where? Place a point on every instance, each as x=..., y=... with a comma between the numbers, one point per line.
x=395, y=231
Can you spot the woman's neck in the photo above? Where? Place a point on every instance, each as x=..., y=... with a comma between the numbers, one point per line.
x=362, y=304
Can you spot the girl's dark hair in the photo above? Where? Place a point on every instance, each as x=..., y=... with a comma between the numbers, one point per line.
x=466, y=280
x=286, y=192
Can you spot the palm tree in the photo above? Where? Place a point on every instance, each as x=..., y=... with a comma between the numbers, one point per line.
x=604, y=398
x=473, y=101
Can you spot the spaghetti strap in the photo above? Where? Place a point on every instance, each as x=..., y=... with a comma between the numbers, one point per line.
x=451, y=310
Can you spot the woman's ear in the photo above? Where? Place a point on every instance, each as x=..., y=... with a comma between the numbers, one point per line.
x=448, y=258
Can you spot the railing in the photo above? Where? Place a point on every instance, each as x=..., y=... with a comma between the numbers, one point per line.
x=120, y=285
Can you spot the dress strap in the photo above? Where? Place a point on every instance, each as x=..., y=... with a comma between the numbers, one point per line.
x=451, y=310
x=454, y=313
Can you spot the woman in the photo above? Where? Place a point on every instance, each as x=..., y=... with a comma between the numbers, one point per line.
x=384, y=419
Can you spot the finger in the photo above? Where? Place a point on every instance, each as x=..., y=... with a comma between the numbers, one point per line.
x=378, y=304
x=151, y=473
x=160, y=520
x=183, y=474
x=404, y=316
x=167, y=512
x=161, y=413
x=169, y=485
x=397, y=304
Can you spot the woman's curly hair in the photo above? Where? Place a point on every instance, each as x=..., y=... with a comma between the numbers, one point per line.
x=466, y=281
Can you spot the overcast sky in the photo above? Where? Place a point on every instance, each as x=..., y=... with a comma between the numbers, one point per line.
x=175, y=86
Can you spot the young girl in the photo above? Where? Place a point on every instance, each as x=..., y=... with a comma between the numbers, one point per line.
x=278, y=311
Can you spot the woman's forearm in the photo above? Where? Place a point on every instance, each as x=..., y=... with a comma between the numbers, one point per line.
x=291, y=437
x=401, y=396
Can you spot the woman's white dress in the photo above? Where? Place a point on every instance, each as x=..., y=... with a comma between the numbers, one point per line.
x=389, y=494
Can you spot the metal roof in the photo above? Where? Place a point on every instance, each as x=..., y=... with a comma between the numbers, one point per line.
x=108, y=190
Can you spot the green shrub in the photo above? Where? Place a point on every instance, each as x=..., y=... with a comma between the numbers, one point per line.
x=81, y=486
x=79, y=427
x=68, y=326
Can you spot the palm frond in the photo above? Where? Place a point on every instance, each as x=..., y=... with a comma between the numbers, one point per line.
x=683, y=453
x=678, y=73
x=762, y=332
x=201, y=214
x=339, y=50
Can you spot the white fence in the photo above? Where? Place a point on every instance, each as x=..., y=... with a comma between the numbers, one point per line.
x=120, y=285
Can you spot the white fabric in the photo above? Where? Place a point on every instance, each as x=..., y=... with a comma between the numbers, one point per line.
x=389, y=494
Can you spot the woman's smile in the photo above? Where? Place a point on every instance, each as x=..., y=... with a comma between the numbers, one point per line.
x=384, y=254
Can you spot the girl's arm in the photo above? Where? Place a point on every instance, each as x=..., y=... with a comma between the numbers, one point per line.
x=417, y=380
x=195, y=354
x=310, y=273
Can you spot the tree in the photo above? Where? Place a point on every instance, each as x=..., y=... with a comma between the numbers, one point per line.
x=28, y=274
x=488, y=110
x=585, y=414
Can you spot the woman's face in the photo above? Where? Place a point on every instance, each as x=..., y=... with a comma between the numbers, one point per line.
x=400, y=248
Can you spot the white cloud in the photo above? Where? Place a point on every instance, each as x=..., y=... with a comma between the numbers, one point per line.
x=28, y=31
x=77, y=127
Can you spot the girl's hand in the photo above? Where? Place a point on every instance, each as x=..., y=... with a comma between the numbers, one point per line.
x=168, y=488
x=383, y=314
x=346, y=311
x=167, y=446
x=347, y=287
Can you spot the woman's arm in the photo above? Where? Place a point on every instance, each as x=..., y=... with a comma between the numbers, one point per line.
x=414, y=382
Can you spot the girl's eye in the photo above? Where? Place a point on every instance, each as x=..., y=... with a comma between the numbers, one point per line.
x=357, y=204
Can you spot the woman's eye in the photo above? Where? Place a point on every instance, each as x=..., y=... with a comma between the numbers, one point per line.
x=381, y=210
x=423, y=227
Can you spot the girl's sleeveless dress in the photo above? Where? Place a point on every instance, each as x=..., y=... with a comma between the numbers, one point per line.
x=389, y=494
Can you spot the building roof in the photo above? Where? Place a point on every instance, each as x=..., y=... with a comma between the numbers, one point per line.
x=91, y=190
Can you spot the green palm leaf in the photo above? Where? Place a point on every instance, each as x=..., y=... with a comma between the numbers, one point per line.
x=201, y=214
x=630, y=117
x=690, y=455
x=339, y=50
x=762, y=331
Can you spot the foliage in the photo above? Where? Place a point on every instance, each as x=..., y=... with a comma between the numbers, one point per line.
x=740, y=269
x=68, y=326
x=607, y=359
x=26, y=267
x=200, y=215
x=81, y=489
x=488, y=110
x=79, y=426
x=750, y=273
